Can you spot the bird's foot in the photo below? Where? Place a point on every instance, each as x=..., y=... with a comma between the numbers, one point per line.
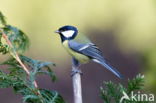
x=75, y=71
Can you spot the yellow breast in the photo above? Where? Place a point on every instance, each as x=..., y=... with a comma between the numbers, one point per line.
x=80, y=57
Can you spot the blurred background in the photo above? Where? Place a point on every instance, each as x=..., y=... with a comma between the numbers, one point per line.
x=125, y=30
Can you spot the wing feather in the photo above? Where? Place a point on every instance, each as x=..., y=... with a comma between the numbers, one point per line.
x=93, y=52
x=89, y=49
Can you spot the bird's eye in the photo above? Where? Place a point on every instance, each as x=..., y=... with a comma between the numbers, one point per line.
x=61, y=30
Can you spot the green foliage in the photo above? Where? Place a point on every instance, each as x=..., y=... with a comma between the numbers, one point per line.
x=38, y=67
x=149, y=64
x=135, y=84
x=112, y=93
x=14, y=76
x=17, y=79
x=18, y=38
x=2, y=19
x=3, y=48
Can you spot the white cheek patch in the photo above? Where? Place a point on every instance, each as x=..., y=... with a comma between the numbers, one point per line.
x=68, y=33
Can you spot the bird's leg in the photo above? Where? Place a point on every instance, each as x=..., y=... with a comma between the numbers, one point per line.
x=76, y=78
x=75, y=71
x=75, y=67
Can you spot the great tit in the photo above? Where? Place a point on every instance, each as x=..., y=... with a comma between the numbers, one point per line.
x=82, y=49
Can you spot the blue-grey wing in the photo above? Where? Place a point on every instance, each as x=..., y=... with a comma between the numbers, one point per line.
x=88, y=49
x=93, y=52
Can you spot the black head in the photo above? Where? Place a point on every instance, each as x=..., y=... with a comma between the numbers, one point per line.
x=67, y=32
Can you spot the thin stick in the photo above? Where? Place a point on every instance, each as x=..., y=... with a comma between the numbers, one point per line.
x=17, y=56
x=76, y=77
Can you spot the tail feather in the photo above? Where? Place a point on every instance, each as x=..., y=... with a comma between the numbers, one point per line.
x=110, y=68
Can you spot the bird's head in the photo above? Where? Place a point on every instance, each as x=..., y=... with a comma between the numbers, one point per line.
x=67, y=32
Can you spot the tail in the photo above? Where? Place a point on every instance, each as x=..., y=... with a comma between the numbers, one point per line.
x=110, y=68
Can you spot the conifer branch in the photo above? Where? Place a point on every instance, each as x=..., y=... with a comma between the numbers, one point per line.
x=16, y=55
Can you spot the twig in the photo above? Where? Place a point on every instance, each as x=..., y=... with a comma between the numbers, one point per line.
x=76, y=77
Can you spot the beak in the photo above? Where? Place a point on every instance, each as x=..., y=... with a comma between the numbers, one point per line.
x=57, y=31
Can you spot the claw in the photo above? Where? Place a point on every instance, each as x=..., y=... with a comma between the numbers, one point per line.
x=75, y=71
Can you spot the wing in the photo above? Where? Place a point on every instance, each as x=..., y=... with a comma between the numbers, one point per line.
x=88, y=49
x=93, y=52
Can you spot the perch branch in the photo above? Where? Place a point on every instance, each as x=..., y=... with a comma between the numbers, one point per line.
x=76, y=77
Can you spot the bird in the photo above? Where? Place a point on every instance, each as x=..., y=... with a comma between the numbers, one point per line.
x=82, y=49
